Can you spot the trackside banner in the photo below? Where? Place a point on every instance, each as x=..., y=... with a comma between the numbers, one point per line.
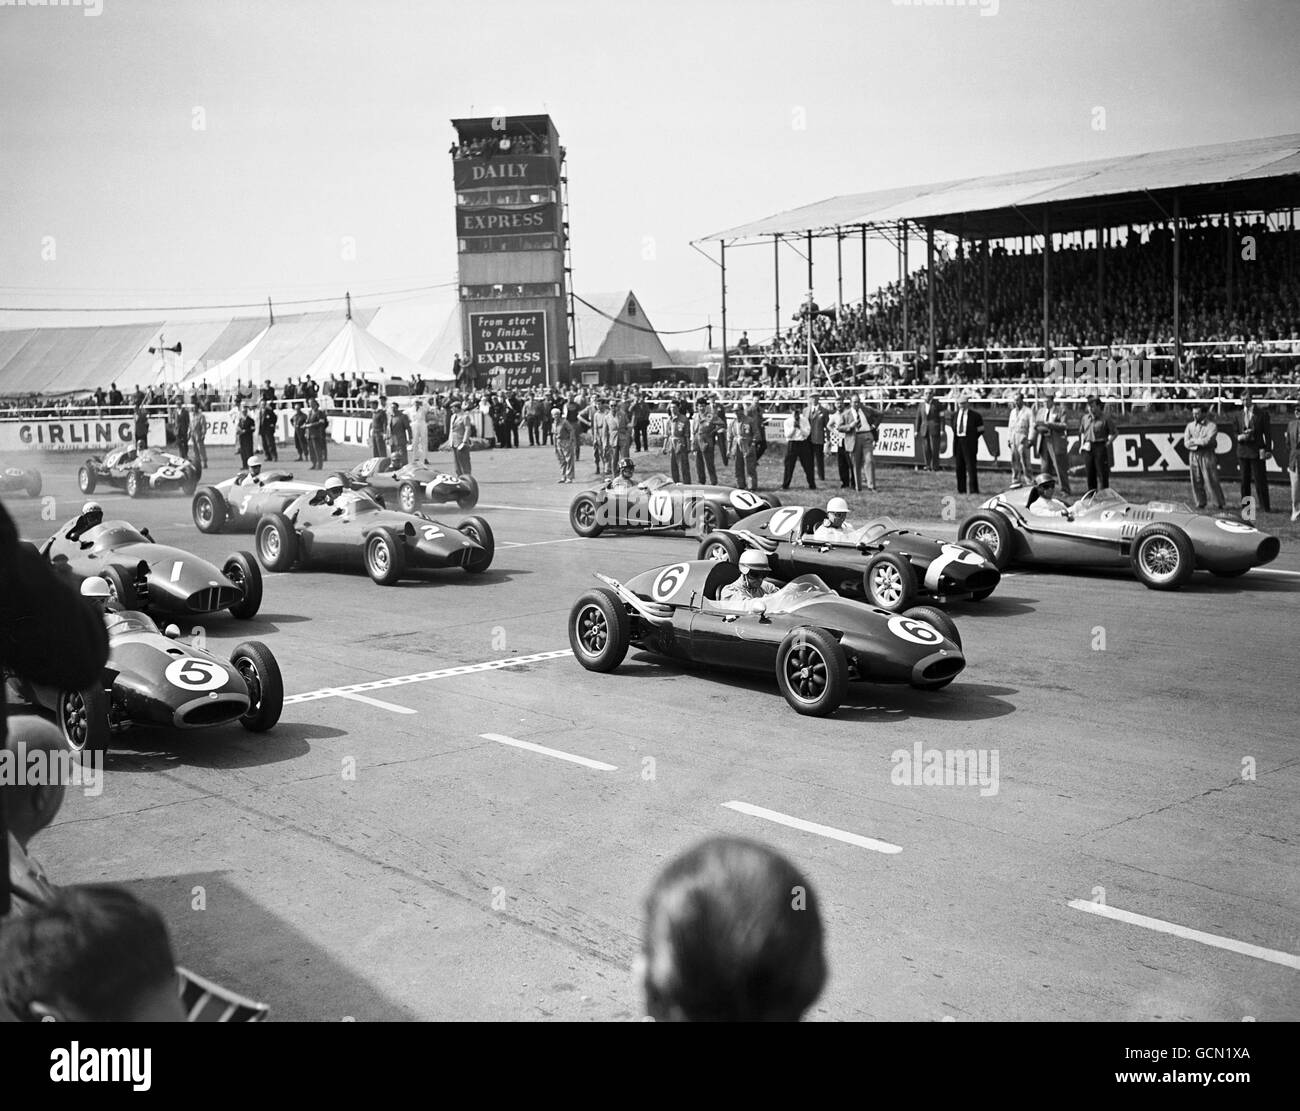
x=91, y=436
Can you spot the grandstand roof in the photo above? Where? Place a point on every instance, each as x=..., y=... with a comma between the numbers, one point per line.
x=1250, y=175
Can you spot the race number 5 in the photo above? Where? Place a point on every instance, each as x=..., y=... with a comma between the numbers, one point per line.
x=661, y=507
x=783, y=520
x=668, y=582
x=195, y=675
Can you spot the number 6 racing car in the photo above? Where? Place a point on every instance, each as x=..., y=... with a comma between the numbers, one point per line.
x=811, y=639
x=1163, y=542
x=892, y=567
x=658, y=504
x=147, y=470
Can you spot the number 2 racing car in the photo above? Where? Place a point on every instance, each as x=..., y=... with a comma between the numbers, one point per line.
x=26, y=480
x=350, y=528
x=156, y=679
x=657, y=504
x=891, y=567
x=814, y=641
x=138, y=472
x=416, y=484
x=1164, y=543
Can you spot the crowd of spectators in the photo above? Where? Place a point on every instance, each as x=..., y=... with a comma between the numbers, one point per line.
x=509, y=142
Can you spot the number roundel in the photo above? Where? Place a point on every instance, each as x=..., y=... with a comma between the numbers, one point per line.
x=784, y=520
x=1233, y=526
x=962, y=555
x=195, y=675
x=661, y=507
x=168, y=472
x=746, y=500
x=917, y=632
x=445, y=480
x=669, y=581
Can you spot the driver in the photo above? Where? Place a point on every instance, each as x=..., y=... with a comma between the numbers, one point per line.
x=95, y=591
x=251, y=477
x=92, y=514
x=753, y=582
x=836, y=527
x=1043, y=501
x=623, y=480
x=329, y=493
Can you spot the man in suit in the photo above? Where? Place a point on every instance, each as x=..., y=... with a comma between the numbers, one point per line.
x=967, y=427
x=928, y=427
x=1293, y=464
x=1052, y=443
x=1096, y=434
x=1254, y=444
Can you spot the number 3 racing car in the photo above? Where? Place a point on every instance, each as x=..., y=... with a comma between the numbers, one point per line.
x=891, y=567
x=237, y=504
x=657, y=504
x=349, y=527
x=147, y=470
x=156, y=679
x=811, y=639
x=1163, y=542
x=24, y=479
x=415, y=484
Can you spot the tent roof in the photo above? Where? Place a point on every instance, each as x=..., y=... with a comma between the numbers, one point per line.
x=1250, y=175
x=64, y=360
x=236, y=367
x=614, y=325
x=355, y=351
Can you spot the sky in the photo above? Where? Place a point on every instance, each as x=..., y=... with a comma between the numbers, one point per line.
x=157, y=154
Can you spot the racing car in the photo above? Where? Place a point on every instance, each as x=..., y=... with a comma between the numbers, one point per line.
x=238, y=503
x=138, y=471
x=891, y=567
x=813, y=640
x=142, y=574
x=658, y=504
x=157, y=679
x=26, y=480
x=415, y=484
x=1163, y=542
x=351, y=528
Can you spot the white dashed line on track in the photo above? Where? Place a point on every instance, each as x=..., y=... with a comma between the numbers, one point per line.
x=530, y=747
x=536, y=543
x=1275, y=571
x=525, y=509
x=813, y=827
x=1290, y=960
x=424, y=677
x=351, y=697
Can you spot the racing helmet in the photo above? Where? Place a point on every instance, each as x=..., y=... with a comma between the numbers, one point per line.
x=626, y=467
x=255, y=461
x=752, y=561
x=95, y=588
x=1045, y=481
x=334, y=484
x=837, y=505
x=93, y=512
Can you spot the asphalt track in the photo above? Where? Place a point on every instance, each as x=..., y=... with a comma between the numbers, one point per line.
x=390, y=852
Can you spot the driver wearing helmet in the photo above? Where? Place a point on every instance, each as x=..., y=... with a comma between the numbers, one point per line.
x=251, y=477
x=753, y=582
x=329, y=493
x=92, y=514
x=623, y=481
x=1043, y=501
x=95, y=591
x=836, y=528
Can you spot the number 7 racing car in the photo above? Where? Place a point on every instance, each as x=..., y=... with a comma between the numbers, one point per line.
x=813, y=641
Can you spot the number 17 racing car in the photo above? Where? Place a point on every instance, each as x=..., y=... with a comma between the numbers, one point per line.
x=813, y=641
x=658, y=504
x=138, y=472
x=1164, y=543
x=416, y=484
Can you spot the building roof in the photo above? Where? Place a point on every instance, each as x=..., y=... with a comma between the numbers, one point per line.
x=615, y=326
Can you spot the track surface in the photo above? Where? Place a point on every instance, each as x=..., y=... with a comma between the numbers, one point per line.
x=383, y=859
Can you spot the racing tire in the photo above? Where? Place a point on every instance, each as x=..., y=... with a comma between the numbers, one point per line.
x=584, y=516
x=706, y=519
x=86, y=478
x=932, y=615
x=120, y=588
x=991, y=529
x=385, y=557
x=242, y=570
x=1234, y=574
x=275, y=542
x=889, y=582
x=812, y=672
x=721, y=547
x=208, y=510
x=1162, y=556
x=260, y=672
x=600, y=630
x=135, y=488
x=408, y=497
x=82, y=718
x=188, y=485
x=984, y=552
x=469, y=499
x=33, y=485
x=476, y=528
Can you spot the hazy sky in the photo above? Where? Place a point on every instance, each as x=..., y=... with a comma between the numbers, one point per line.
x=329, y=118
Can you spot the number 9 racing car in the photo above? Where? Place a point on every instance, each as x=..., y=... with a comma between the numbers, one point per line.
x=147, y=470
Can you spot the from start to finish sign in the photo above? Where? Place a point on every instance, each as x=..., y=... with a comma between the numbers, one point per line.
x=512, y=344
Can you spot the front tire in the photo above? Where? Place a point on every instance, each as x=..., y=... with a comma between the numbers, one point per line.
x=242, y=570
x=408, y=497
x=991, y=529
x=931, y=615
x=261, y=674
x=83, y=719
x=469, y=499
x=812, y=672
x=209, y=510
x=476, y=528
x=1162, y=557
x=86, y=478
x=584, y=516
x=889, y=582
x=721, y=547
x=385, y=558
x=600, y=630
x=276, y=542
x=135, y=484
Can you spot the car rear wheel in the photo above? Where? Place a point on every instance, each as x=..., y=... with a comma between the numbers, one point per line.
x=86, y=478
x=932, y=615
x=276, y=542
x=135, y=484
x=992, y=530
x=408, y=497
x=385, y=558
x=120, y=588
x=242, y=570
x=584, y=516
x=889, y=582
x=812, y=672
x=83, y=719
x=721, y=547
x=1162, y=556
x=209, y=510
x=476, y=528
x=469, y=496
x=600, y=630
x=33, y=485
x=261, y=674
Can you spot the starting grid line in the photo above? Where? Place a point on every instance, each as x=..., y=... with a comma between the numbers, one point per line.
x=421, y=677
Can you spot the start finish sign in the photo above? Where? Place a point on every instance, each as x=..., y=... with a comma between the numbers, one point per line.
x=511, y=345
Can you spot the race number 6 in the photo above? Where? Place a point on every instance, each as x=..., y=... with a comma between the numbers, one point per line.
x=668, y=582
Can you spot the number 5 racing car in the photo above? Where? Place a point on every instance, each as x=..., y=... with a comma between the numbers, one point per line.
x=892, y=567
x=658, y=504
x=147, y=470
x=156, y=679
x=416, y=484
x=1163, y=542
x=814, y=641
